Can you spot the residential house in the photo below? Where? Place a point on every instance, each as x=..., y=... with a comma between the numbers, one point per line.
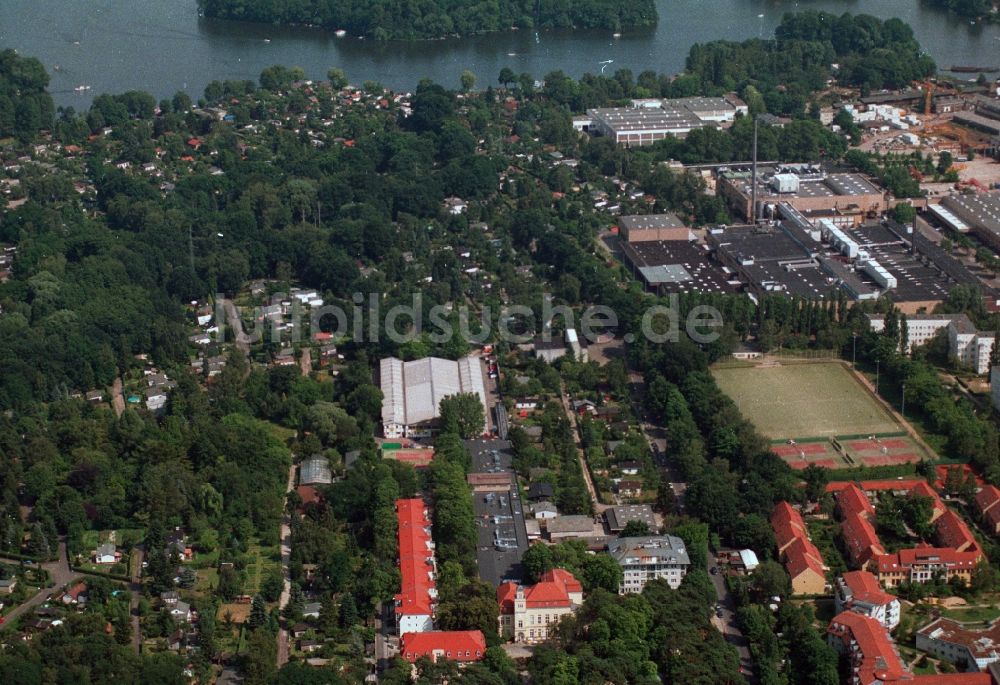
x=647, y=558
x=617, y=517
x=540, y=491
x=527, y=613
x=544, y=511
x=106, y=554
x=180, y=611
x=629, y=468
x=860, y=592
x=7, y=585
x=457, y=645
x=77, y=594
x=801, y=558
x=629, y=487
x=988, y=505
x=311, y=609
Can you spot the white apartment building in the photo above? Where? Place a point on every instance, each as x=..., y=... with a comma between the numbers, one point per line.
x=970, y=347
x=648, y=558
x=860, y=592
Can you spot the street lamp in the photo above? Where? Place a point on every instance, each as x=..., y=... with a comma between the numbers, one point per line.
x=854, y=350
x=876, y=376
x=902, y=408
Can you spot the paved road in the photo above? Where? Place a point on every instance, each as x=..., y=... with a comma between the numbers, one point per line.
x=61, y=575
x=286, y=555
x=727, y=623
x=241, y=340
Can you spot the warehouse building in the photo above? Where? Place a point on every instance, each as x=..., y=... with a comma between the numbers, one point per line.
x=653, y=227
x=647, y=121
x=412, y=392
x=978, y=214
x=676, y=266
x=849, y=197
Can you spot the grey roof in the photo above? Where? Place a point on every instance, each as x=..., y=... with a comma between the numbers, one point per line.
x=539, y=507
x=619, y=516
x=571, y=524
x=652, y=549
x=108, y=548
x=644, y=221
x=315, y=471
x=538, y=491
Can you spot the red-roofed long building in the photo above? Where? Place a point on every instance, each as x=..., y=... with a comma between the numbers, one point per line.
x=860, y=540
x=988, y=505
x=453, y=645
x=802, y=560
x=415, y=601
x=527, y=613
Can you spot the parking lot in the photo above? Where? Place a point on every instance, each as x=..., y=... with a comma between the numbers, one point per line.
x=502, y=538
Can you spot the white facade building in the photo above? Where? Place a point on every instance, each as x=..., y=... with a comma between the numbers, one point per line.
x=648, y=558
x=860, y=592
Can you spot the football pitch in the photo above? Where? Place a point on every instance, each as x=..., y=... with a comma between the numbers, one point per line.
x=804, y=401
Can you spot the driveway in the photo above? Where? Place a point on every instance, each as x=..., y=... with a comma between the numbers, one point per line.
x=61, y=575
x=727, y=623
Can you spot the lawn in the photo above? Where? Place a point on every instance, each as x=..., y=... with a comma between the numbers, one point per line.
x=262, y=562
x=805, y=400
x=973, y=614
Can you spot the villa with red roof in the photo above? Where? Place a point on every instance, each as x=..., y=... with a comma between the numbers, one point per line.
x=803, y=561
x=463, y=646
x=527, y=613
x=417, y=595
x=860, y=592
x=988, y=506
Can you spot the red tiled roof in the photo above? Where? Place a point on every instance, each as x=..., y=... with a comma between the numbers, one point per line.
x=925, y=554
x=853, y=502
x=864, y=587
x=454, y=645
x=897, y=485
x=793, y=541
x=552, y=590
x=877, y=659
x=802, y=555
x=861, y=539
x=307, y=494
x=953, y=532
x=416, y=583
x=987, y=498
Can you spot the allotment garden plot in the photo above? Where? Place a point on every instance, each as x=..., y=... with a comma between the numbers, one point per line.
x=818, y=413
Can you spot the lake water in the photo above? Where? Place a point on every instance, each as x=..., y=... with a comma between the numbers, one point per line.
x=163, y=46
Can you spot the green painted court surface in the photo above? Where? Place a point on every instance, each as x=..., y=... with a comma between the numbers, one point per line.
x=804, y=401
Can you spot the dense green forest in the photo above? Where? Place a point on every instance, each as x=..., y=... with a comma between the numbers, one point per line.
x=393, y=19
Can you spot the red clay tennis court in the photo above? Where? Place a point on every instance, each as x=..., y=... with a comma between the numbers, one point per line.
x=797, y=450
x=878, y=444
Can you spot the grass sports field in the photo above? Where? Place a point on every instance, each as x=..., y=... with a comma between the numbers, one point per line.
x=804, y=401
